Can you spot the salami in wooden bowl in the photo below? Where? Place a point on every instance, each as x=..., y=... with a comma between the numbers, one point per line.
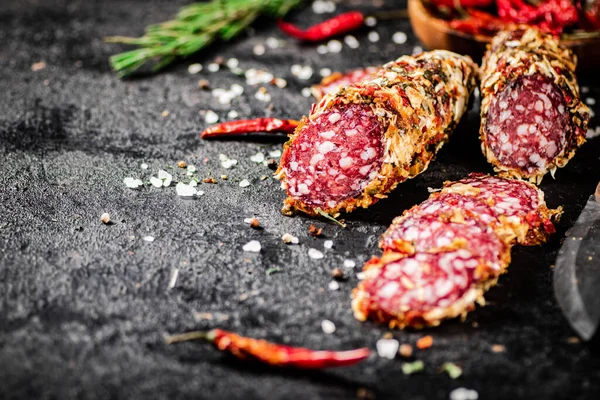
x=435, y=33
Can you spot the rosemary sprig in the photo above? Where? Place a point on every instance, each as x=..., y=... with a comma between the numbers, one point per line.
x=195, y=27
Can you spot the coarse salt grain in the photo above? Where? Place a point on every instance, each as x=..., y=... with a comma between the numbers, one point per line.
x=334, y=46
x=184, y=190
x=199, y=193
x=306, y=92
x=228, y=163
x=191, y=168
x=144, y=166
x=399, y=38
x=132, y=183
x=105, y=218
x=211, y=117
x=287, y=238
x=213, y=67
x=585, y=89
x=156, y=182
x=305, y=73
x=165, y=177
x=272, y=43
x=590, y=101
x=351, y=42
x=252, y=246
x=322, y=49
x=417, y=50
x=280, y=82
x=194, y=68
x=328, y=244
x=373, y=37
x=259, y=50
x=327, y=326
x=148, y=239
x=315, y=254
x=232, y=63
x=237, y=89
x=361, y=275
x=370, y=21
x=334, y=285
x=275, y=153
x=262, y=95
x=244, y=183
x=349, y=264
x=173, y=278
x=387, y=348
x=324, y=72
x=462, y=393
x=232, y=114
x=258, y=157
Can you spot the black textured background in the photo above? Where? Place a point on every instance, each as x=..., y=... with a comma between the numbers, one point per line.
x=84, y=306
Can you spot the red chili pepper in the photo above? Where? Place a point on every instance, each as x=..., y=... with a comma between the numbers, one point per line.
x=463, y=3
x=551, y=16
x=271, y=353
x=479, y=23
x=242, y=126
x=337, y=25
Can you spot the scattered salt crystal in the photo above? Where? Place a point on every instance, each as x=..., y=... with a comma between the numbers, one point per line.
x=327, y=326
x=148, y=239
x=322, y=49
x=360, y=276
x=184, y=190
x=585, y=89
x=156, y=182
x=334, y=46
x=165, y=177
x=334, y=285
x=373, y=37
x=227, y=163
x=324, y=72
x=223, y=157
x=262, y=95
x=213, y=67
x=252, y=246
x=237, y=89
x=132, y=183
x=370, y=21
x=296, y=69
x=590, y=101
x=315, y=254
x=258, y=157
x=191, y=168
x=194, y=68
x=232, y=114
x=244, y=183
x=305, y=73
x=144, y=166
x=593, y=132
x=387, y=348
x=462, y=393
x=306, y=92
x=328, y=244
x=248, y=220
x=351, y=42
x=193, y=183
x=280, y=82
x=211, y=117
x=199, y=193
x=272, y=43
x=349, y=264
x=417, y=50
x=173, y=279
x=275, y=153
x=232, y=63
x=287, y=238
x=105, y=218
x=259, y=50
x=399, y=38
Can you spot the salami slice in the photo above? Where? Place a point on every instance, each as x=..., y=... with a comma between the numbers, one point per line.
x=518, y=206
x=423, y=289
x=532, y=119
x=413, y=234
x=361, y=141
x=333, y=82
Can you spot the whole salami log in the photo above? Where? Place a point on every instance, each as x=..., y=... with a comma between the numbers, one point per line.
x=532, y=119
x=362, y=140
x=442, y=255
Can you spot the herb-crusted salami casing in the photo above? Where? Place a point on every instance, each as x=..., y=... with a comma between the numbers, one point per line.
x=335, y=81
x=532, y=119
x=361, y=141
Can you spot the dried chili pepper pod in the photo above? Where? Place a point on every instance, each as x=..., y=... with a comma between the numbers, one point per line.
x=532, y=119
x=361, y=141
x=240, y=127
x=337, y=25
x=271, y=353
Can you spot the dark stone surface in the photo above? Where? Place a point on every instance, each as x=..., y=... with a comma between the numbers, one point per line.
x=84, y=306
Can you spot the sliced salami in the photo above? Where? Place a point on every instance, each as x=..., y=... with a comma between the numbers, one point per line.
x=422, y=289
x=335, y=81
x=532, y=119
x=518, y=206
x=362, y=140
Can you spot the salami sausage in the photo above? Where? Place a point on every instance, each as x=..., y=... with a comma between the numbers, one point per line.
x=423, y=289
x=442, y=255
x=532, y=119
x=336, y=80
x=361, y=141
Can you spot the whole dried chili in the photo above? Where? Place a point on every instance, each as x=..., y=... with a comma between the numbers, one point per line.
x=479, y=23
x=248, y=126
x=337, y=25
x=271, y=353
x=551, y=16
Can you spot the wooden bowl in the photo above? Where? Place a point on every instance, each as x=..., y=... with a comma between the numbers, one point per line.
x=435, y=33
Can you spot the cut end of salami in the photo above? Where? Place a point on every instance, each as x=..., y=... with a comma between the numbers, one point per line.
x=528, y=124
x=423, y=289
x=532, y=119
x=334, y=156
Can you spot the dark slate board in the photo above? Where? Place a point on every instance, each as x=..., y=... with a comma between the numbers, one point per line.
x=84, y=306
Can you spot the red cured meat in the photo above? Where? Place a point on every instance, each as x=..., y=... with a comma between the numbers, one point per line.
x=422, y=289
x=528, y=123
x=456, y=207
x=333, y=82
x=338, y=153
x=429, y=234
